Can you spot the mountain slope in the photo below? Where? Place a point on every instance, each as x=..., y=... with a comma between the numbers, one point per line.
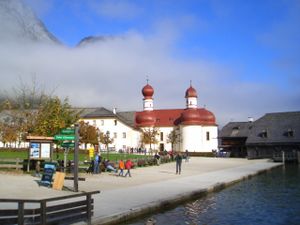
x=18, y=22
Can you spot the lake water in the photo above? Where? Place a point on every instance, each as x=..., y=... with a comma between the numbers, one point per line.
x=269, y=198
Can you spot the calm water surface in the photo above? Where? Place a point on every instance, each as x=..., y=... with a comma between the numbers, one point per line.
x=270, y=198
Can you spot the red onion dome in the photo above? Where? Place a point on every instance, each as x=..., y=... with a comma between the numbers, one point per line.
x=207, y=117
x=145, y=119
x=197, y=117
x=191, y=92
x=191, y=117
x=148, y=91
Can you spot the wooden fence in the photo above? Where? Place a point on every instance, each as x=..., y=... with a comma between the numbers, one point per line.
x=11, y=163
x=59, y=210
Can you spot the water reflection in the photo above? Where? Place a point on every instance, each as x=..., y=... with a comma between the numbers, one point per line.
x=269, y=198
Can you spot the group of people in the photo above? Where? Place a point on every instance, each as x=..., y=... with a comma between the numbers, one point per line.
x=128, y=164
x=95, y=166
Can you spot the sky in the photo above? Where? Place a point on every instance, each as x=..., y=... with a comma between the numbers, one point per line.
x=242, y=57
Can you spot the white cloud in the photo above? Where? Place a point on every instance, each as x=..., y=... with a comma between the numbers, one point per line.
x=112, y=73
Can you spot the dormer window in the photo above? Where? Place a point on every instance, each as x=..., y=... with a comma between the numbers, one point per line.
x=289, y=133
x=263, y=134
x=235, y=131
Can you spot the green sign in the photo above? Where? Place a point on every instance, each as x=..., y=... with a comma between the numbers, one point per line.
x=60, y=137
x=67, y=131
x=68, y=145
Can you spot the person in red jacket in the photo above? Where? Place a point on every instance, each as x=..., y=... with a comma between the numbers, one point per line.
x=128, y=166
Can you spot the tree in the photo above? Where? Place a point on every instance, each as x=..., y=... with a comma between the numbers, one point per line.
x=106, y=140
x=53, y=115
x=88, y=134
x=149, y=136
x=172, y=138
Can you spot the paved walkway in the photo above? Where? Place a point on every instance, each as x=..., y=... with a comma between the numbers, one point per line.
x=148, y=189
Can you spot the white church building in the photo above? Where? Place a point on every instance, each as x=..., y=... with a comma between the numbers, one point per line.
x=195, y=128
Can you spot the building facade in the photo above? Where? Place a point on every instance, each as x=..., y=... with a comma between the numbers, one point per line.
x=195, y=128
x=267, y=137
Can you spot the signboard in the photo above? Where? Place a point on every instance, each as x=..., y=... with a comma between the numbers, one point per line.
x=49, y=170
x=45, y=150
x=34, y=150
x=58, y=182
x=67, y=131
x=68, y=145
x=60, y=137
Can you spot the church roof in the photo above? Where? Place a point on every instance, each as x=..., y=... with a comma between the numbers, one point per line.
x=167, y=117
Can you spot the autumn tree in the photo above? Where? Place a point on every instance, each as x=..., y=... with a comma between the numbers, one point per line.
x=172, y=138
x=106, y=140
x=53, y=115
x=149, y=136
x=88, y=134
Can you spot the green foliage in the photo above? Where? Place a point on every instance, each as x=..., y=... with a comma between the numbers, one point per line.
x=52, y=116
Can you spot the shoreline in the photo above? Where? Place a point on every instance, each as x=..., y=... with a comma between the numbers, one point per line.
x=150, y=189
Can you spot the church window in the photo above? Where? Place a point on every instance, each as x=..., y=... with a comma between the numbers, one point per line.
x=115, y=135
x=161, y=136
x=124, y=134
x=102, y=122
x=116, y=122
x=207, y=136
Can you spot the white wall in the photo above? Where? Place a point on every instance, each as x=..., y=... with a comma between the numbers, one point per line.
x=194, y=138
x=108, y=124
x=191, y=138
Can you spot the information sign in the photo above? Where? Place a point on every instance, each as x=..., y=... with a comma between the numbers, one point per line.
x=68, y=145
x=49, y=170
x=67, y=131
x=59, y=137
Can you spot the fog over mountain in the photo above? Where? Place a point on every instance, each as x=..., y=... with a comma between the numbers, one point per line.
x=17, y=21
x=111, y=71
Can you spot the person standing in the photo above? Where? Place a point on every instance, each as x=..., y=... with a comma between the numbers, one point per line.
x=97, y=162
x=178, y=159
x=37, y=169
x=121, y=167
x=128, y=166
x=187, y=155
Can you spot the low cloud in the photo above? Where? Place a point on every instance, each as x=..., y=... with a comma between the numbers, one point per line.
x=112, y=72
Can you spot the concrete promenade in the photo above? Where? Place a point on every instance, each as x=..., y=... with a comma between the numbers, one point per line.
x=149, y=189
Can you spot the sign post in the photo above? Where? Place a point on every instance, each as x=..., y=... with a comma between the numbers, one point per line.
x=76, y=150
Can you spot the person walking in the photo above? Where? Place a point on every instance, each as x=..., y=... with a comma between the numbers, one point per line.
x=178, y=159
x=121, y=167
x=128, y=166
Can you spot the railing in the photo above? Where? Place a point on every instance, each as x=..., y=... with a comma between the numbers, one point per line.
x=11, y=163
x=60, y=211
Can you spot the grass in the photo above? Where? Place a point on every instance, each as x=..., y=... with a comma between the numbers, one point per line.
x=13, y=154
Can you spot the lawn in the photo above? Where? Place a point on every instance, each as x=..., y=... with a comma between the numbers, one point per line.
x=13, y=154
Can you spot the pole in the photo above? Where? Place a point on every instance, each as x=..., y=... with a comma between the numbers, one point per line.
x=76, y=150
